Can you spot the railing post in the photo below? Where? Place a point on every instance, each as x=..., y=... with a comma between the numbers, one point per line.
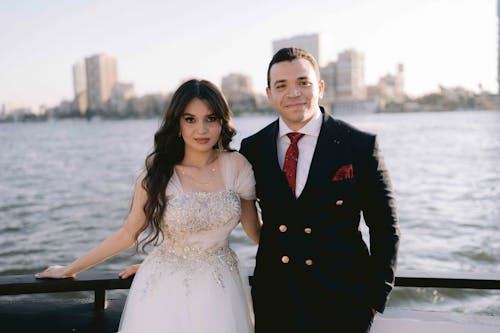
x=99, y=299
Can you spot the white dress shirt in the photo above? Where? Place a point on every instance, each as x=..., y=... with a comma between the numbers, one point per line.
x=307, y=145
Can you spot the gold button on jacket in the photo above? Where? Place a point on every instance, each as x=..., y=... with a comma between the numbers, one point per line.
x=307, y=230
x=309, y=262
x=283, y=228
x=285, y=259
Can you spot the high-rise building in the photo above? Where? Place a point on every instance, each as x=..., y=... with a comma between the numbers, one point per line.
x=391, y=87
x=236, y=83
x=238, y=90
x=310, y=43
x=350, y=83
x=79, y=78
x=328, y=74
x=101, y=76
x=80, y=86
x=120, y=94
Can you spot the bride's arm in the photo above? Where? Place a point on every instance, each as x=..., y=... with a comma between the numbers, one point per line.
x=117, y=242
x=250, y=220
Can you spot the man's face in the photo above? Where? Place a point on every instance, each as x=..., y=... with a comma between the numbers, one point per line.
x=295, y=91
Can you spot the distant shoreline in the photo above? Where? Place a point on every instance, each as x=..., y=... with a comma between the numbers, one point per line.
x=44, y=119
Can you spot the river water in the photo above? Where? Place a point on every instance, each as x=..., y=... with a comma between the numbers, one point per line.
x=66, y=185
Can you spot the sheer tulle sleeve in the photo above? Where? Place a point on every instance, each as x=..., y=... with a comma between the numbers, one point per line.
x=244, y=179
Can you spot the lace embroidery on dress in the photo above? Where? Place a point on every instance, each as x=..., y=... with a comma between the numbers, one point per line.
x=193, y=212
x=196, y=238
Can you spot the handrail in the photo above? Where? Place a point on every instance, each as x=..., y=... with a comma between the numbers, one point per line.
x=99, y=282
x=448, y=280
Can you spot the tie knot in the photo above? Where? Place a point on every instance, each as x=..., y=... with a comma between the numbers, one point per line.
x=294, y=137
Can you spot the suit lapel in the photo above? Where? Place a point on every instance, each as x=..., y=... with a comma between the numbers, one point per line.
x=330, y=153
x=269, y=151
x=274, y=174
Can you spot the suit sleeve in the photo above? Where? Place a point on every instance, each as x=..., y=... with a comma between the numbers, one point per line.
x=244, y=148
x=379, y=212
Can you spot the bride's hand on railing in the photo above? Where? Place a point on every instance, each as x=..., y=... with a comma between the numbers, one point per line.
x=54, y=272
x=129, y=271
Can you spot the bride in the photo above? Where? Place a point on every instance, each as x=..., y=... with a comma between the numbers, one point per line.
x=192, y=194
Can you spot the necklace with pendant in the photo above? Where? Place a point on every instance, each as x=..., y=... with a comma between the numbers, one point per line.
x=210, y=176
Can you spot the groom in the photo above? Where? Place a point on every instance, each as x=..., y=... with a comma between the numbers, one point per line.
x=315, y=175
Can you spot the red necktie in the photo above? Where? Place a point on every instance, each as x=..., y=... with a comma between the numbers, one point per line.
x=291, y=157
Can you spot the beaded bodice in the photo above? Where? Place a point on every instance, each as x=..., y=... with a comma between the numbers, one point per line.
x=196, y=228
x=201, y=220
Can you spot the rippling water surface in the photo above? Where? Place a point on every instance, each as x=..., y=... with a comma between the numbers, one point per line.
x=66, y=185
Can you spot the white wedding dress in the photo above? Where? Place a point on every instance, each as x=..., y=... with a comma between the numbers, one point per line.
x=191, y=282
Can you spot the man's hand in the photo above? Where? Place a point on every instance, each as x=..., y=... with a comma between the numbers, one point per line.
x=129, y=271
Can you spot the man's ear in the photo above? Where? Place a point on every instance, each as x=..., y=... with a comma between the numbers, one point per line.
x=321, y=86
x=268, y=93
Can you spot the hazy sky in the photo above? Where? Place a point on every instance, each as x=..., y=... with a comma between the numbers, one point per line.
x=160, y=43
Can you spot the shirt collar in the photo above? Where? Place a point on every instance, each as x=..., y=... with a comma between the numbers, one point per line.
x=312, y=127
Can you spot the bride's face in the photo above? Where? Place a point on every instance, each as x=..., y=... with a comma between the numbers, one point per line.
x=200, y=127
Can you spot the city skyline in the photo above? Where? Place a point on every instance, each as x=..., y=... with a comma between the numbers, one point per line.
x=158, y=45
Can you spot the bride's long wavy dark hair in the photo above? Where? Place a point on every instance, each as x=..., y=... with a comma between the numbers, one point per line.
x=169, y=150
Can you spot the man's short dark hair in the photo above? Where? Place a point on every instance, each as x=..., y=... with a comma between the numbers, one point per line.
x=289, y=54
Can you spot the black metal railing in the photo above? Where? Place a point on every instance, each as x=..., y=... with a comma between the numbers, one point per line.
x=100, y=282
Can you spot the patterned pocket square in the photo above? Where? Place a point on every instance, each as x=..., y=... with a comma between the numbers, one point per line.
x=343, y=173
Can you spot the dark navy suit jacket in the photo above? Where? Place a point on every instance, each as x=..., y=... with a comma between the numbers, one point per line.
x=328, y=261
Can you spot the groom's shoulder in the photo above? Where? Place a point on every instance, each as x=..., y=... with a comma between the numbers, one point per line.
x=349, y=130
x=358, y=139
